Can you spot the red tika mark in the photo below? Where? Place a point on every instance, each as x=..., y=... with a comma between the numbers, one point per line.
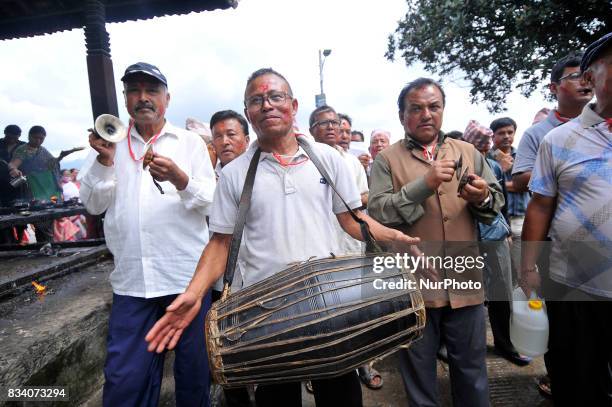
x=263, y=87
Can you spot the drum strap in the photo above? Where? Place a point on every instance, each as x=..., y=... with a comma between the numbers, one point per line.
x=243, y=209
x=371, y=245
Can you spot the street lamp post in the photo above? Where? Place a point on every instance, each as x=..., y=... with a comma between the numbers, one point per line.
x=320, y=98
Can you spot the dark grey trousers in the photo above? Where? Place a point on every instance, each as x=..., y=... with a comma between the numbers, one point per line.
x=463, y=330
x=498, y=290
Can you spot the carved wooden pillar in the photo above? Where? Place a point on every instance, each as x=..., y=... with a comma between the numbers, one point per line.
x=99, y=63
x=101, y=79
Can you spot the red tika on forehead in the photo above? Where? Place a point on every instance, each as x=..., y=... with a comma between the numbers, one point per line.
x=264, y=87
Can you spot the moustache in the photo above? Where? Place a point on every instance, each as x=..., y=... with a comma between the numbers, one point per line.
x=141, y=106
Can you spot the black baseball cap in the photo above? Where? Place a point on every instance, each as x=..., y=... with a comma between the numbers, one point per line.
x=145, y=68
x=594, y=50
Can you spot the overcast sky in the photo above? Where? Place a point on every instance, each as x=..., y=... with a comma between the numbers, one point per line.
x=208, y=56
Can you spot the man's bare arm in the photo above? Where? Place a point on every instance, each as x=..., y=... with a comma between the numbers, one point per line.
x=538, y=217
x=211, y=265
x=520, y=181
x=13, y=167
x=378, y=231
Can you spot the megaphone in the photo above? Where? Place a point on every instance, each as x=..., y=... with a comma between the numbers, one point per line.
x=110, y=128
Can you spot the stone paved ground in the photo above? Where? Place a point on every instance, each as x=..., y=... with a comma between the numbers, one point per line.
x=509, y=385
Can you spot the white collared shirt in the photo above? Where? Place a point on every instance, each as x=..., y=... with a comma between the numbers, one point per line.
x=237, y=283
x=218, y=169
x=346, y=243
x=356, y=168
x=292, y=209
x=156, y=239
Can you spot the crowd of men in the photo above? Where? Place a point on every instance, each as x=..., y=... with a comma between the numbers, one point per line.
x=555, y=185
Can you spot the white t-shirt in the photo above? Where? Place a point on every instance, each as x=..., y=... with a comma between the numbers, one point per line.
x=292, y=209
x=70, y=190
x=237, y=283
x=357, y=170
x=346, y=243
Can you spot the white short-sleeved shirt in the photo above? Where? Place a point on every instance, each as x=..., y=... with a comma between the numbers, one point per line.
x=70, y=190
x=574, y=164
x=346, y=243
x=292, y=209
x=357, y=169
x=237, y=283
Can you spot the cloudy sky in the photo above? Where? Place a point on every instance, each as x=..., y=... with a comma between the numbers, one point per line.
x=207, y=58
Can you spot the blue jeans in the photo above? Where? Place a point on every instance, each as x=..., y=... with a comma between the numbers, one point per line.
x=134, y=375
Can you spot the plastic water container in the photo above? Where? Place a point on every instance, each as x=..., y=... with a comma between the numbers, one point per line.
x=528, y=324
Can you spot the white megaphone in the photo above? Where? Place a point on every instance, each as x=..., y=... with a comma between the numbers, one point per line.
x=110, y=128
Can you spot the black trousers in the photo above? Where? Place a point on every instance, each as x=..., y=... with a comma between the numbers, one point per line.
x=580, y=356
x=498, y=273
x=543, y=265
x=499, y=317
x=342, y=391
x=463, y=330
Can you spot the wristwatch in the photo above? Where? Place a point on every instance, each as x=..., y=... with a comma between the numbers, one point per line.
x=533, y=269
x=486, y=203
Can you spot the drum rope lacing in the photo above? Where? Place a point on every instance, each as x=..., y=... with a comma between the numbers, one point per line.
x=258, y=321
x=252, y=303
x=364, y=327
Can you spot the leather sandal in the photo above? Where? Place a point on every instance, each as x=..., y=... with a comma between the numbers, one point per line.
x=543, y=383
x=368, y=376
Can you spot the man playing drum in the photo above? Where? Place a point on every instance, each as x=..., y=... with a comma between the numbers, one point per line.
x=289, y=220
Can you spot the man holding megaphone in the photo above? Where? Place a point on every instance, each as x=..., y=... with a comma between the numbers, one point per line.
x=155, y=237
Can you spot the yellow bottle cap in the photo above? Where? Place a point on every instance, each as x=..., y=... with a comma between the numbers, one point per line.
x=535, y=304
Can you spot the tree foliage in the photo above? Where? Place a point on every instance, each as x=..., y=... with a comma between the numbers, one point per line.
x=497, y=45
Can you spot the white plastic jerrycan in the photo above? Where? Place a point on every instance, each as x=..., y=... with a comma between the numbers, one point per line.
x=528, y=324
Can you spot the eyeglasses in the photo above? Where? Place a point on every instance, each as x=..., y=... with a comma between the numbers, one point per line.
x=574, y=77
x=274, y=99
x=325, y=123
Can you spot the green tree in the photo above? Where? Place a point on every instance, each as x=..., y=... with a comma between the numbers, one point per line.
x=497, y=45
